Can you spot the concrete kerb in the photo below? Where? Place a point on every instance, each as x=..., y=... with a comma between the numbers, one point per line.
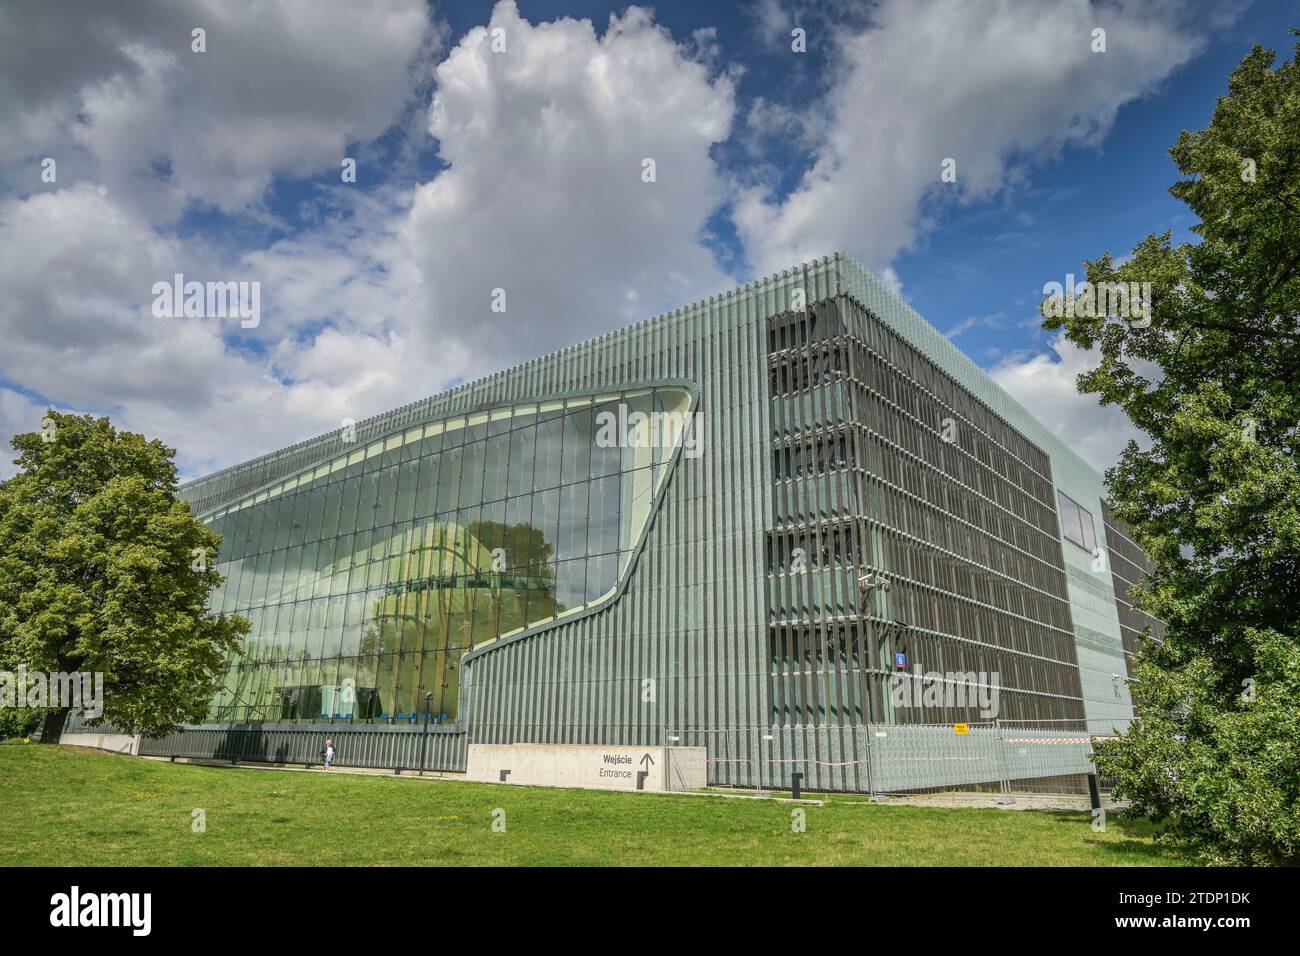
x=953, y=800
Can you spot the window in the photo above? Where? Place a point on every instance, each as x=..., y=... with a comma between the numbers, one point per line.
x=1076, y=523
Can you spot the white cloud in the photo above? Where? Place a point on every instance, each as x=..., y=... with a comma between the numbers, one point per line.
x=1045, y=384
x=773, y=21
x=544, y=196
x=974, y=321
x=78, y=271
x=115, y=92
x=141, y=127
x=18, y=413
x=983, y=82
x=384, y=298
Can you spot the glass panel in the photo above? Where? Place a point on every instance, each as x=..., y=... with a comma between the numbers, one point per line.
x=550, y=441
x=606, y=451
x=354, y=616
x=602, y=574
x=348, y=514
x=261, y=571
x=407, y=483
x=578, y=438
x=476, y=427
x=570, y=584
x=497, y=450
x=545, y=527
x=275, y=578
x=603, y=528
x=518, y=533
x=572, y=539
x=368, y=500
x=367, y=578
x=523, y=445
x=471, y=474
x=315, y=496
x=265, y=518
x=387, y=684
x=637, y=495
x=641, y=432
x=449, y=480
x=499, y=421
x=387, y=499
x=427, y=494
x=1071, y=520
x=332, y=511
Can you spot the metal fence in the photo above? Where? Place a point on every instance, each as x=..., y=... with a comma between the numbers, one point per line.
x=895, y=758
x=922, y=757
x=867, y=758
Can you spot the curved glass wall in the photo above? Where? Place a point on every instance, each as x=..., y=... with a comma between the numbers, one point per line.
x=368, y=578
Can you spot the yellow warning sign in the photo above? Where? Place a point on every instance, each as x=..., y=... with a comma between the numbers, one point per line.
x=961, y=728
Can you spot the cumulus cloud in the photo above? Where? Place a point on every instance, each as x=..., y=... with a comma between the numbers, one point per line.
x=18, y=413
x=545, y=197
x=77, y=324
x=384, y=296
x=982, y=82
x=115, y=90
x=143, y=128
x=1045, y=383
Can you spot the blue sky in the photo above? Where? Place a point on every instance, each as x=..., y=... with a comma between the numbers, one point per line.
x=984, y=261
x=520, y=168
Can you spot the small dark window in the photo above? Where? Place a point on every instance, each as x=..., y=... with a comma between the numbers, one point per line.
x=1076, y=523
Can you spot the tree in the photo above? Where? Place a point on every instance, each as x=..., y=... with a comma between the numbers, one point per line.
x=1214, y=382
x=104, y=570
x=15, y=722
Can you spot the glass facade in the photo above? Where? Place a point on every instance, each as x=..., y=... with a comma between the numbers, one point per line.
x=369, y=576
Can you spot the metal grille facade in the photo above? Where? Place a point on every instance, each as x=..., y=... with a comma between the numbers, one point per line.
x=843, y=436
x=1128, y=565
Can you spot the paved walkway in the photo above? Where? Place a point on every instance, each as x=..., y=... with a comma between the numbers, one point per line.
x=953, y=800
x=1021, y=801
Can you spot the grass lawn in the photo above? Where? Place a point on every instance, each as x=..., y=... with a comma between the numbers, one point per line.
x=63, y=806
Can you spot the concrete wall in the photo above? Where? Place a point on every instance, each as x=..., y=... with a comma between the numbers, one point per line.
x=589, y=767
x=119, y=743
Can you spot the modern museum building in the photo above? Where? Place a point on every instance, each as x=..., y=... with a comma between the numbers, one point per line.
x=791, y=524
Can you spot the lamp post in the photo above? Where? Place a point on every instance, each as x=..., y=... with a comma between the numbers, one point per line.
x=868, y=584
x=424, y=740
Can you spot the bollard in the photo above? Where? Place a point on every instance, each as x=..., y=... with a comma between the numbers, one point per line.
x=796, y=779
x=1093, y=793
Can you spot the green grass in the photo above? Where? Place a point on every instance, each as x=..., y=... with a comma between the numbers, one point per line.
x=64, y=806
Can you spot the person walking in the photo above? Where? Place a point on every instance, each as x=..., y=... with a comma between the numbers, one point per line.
x=327, y=754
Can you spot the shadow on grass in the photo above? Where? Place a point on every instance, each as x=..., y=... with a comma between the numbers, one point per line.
x=1136, y=847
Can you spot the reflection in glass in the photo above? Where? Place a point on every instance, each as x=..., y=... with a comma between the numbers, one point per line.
x=368, y=578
